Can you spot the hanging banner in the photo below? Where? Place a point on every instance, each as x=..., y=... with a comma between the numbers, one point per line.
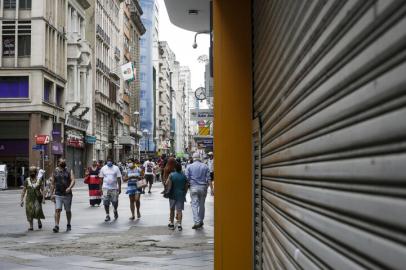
x=127, y=71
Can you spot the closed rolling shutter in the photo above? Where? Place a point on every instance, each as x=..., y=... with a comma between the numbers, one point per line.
x=330, y=93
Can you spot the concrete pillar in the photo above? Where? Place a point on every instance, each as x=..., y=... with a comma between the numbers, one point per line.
x=34, y=129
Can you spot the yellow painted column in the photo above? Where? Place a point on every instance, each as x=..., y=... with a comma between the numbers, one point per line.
x=232, y=133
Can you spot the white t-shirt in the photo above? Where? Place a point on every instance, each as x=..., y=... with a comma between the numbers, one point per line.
x=151, y=167
x=110, y=175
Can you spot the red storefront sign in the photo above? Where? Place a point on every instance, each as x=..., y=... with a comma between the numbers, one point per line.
x=41, y=139
x=76, y=143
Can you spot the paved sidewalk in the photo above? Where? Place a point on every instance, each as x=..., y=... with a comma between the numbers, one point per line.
x=93, y=244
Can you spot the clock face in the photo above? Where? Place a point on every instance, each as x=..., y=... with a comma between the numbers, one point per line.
x=200, y=93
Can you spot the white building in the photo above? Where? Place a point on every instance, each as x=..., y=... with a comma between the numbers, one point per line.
x=104, y=35
x=79, y=90
x=185, y=79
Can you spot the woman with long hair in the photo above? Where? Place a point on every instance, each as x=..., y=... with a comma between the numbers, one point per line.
x=169, y=168
x=133, y=175
x=34, y=189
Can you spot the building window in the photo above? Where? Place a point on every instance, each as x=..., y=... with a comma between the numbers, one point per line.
x=25, y=4
x=47, y=91
x=14, y=87
x=9, y=4
x=142, y=59
x=142, y=76
x=9, y=41
x=24, y=45
x=59, y=96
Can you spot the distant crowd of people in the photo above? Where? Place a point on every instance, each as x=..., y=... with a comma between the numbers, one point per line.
x=104, y=180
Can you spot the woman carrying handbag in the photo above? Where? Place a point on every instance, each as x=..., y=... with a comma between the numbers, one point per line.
x=135, y=183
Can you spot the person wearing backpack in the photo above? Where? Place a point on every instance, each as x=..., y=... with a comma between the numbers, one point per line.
x=149, y=166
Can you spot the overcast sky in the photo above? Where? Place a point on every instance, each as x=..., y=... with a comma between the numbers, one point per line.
x=180, y=41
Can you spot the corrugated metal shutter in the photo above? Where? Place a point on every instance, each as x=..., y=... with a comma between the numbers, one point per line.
x=257, y=190
x=330, y=93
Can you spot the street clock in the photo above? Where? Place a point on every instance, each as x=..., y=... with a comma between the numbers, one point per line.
x=200, y=93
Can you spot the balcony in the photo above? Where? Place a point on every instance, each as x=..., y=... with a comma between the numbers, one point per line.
x=136, y=12
x=104, y=102
x=102, y=35
x=102, y=67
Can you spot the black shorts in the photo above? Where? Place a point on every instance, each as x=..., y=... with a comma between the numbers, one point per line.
x=149, y=178
x=212, y=176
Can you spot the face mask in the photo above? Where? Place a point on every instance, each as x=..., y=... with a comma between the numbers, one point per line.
x=63, y=165
x=130, y=165
x=109, y=163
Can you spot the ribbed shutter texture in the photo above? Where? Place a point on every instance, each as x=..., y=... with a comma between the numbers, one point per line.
x=330, y=93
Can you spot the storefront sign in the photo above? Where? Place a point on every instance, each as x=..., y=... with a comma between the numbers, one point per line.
x=41, y=139
x=57, y=132
x=57, y=148
x=126, y=140
x=38, y=147
x=118, y=146
x=76, y=143
x=74, y=122
x=201, y=114
x=90, y=139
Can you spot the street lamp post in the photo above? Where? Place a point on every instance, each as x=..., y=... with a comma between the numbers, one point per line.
x=145, y=132
x=136, y=120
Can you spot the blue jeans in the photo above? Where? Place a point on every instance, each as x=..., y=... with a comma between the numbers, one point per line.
x=198, y=197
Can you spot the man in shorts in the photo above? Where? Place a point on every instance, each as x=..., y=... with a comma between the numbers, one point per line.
x=149, y=167
x=61, y=193
x=111, y=181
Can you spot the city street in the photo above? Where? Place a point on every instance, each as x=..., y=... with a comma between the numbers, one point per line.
x=93, y=244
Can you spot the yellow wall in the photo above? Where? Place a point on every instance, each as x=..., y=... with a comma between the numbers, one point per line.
x=232, y=131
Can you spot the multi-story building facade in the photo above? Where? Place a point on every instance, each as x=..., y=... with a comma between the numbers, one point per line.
x=148, y=81
x=79, y=90
x=164, y=95
x=103, y=32
x=33, y=78
x=138, y=29
x=185, y=79
x=131, y=31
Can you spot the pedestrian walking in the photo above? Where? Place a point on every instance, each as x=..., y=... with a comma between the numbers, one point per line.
x=62, y=183
x=111, y=179
x=210, y=164
x=149, y=166
x=133, y=176
x=198, y=175
x=34, y=197
x=92, y=179
x=177, y=186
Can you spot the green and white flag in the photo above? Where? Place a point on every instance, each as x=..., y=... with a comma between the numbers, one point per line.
x=128, y=71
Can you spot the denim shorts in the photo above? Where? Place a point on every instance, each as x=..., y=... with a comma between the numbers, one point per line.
x=66, y=201
x=178, y=205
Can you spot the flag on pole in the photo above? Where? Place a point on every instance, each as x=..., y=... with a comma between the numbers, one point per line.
x=128, y=72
